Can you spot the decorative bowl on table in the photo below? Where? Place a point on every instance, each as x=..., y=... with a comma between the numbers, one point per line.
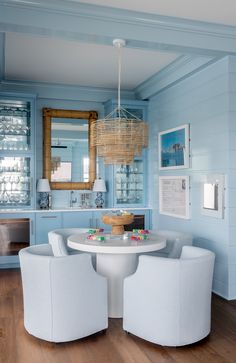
x=117, y=222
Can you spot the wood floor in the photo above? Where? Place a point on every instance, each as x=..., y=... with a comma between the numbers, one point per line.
x=114, y=346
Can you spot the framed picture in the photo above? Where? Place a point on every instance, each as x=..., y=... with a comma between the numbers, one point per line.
x=174, y=148
x=174, y=196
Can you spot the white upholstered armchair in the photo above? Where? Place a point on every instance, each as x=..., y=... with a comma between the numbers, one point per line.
x=168, y=301
x=174, y=242
x=64, y=298
x=58, y=240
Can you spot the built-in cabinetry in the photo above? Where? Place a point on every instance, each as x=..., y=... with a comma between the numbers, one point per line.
x=26, y=228
x=87, y=219
x=17, y=230
x=16, y=151
x=127, y=182
x=45, y=222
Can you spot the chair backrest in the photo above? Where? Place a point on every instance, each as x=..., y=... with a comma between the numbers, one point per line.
x=172, y=297
x=58, y=239
x=175, y=240
x=59, y=292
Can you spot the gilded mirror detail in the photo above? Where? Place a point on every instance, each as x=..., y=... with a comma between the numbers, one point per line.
x=69, y=159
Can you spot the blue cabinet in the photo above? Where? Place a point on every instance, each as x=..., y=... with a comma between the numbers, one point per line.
x=21, y=229
x=80, y=219
x=17, y=115
x=147, y=216
x=83, y=219
x=45, y=222
x=17, y=230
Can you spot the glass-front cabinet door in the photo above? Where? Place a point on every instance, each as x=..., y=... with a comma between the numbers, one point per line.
x=15, y=182
x=129, y=184
x=16, y=151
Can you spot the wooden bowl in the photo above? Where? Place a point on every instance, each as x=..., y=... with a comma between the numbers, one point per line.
x=117, y=222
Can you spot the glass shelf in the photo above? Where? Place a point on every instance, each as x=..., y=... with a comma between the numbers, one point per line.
x=129, y=181
x=15, y=128
x=15, y=181
x=16, y=150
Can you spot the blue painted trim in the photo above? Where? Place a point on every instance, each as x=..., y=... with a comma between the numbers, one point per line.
x=65, y=92
x=113, y=103
x=100, y=24
x=181, y=68
x=17, y=95
x=2, y=56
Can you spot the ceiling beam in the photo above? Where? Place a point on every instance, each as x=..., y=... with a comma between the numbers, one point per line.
x=175, y=72
x=99, y=24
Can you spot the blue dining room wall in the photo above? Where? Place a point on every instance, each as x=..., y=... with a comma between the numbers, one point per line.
x=205, y=101
x=232, y=177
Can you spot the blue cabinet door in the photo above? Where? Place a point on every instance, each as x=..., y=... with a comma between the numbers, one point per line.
x=79, y=219
x=17, y=119
x=45, y=222
x=15, y=229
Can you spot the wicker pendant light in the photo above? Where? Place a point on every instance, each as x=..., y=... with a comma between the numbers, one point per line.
x=120, y=136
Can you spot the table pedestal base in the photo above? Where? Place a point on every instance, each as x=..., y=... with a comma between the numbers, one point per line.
x=116, y=267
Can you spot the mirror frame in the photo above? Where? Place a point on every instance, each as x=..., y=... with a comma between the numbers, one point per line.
x=48, y=114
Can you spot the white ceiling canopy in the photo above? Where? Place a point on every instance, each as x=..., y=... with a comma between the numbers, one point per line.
x=60, y=60
x=214, y=11
x=53, y=60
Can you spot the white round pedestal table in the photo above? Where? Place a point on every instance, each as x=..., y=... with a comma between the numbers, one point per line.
x=116, y=258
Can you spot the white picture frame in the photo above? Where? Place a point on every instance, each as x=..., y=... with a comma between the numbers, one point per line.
x=173, y=148
x=174, y=196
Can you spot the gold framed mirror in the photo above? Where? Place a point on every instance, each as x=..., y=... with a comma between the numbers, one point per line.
x=66, y=136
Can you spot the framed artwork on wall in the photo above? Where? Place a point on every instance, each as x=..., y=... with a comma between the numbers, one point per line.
x=174, y=196
x=174, y=148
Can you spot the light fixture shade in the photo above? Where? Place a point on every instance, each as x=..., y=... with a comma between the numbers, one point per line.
x=43, y=186
x=120, y=136
x=119, y=140
x=99, y=186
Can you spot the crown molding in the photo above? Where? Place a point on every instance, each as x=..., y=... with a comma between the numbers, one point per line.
x=101, y=24
x=181, y=68
x=62, y=91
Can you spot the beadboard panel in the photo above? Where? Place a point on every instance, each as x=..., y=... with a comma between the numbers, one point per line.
x=232, y=236
x=232, y=178
x=212, y=140
x=202, y=101
x=232, y=199
x=232, y=284
x=220, y=288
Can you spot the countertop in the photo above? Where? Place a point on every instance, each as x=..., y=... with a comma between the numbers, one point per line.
x=68, y=209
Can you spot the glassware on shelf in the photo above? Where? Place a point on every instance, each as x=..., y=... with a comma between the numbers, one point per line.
x=129, y=183
x=14, y=181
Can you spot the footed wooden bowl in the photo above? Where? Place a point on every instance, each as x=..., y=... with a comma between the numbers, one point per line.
x=117, y=222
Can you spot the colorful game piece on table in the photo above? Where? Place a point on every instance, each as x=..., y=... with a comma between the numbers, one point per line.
x=95, y=230
x=139, y=237
x=95, y=237
x=141, y=231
